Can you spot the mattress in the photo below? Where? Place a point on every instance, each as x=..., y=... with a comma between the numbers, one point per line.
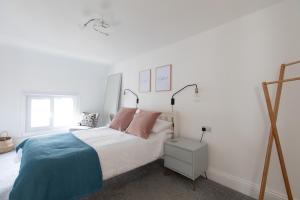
x=120, y=152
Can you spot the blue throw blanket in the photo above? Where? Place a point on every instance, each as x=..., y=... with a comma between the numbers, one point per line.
x=59, y=167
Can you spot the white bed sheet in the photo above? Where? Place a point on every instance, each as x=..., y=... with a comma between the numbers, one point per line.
x=9, y=170
x=120, y=152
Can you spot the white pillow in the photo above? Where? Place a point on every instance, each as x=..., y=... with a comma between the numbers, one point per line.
x=161, y=125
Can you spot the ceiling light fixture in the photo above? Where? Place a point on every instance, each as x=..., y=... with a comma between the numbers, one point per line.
x=98, y=24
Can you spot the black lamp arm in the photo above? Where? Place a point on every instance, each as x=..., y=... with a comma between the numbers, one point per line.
x=137, y=98
x=190, y=85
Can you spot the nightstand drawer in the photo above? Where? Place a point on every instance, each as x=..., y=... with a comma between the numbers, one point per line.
x=179, y=166
x=179, y=153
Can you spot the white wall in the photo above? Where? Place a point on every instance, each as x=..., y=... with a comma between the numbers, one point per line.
x=25, y=70
x=229, y=63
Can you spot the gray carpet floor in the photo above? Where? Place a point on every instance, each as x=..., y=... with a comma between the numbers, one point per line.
x=151, y=183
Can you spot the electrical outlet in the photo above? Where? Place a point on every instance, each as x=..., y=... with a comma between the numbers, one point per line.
x=206, y=129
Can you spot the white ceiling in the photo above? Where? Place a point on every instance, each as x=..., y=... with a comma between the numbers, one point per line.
x=138, y=26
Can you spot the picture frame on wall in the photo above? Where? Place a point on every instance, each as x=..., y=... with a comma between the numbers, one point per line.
x=145, y=81
x=163, y=78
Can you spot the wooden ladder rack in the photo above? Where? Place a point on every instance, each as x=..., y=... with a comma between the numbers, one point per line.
x=273, y=113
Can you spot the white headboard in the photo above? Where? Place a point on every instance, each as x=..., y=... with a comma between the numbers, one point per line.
x=170, y=117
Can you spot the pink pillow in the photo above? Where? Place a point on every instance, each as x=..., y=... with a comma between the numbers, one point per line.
x=122, y=119
x=142, y=123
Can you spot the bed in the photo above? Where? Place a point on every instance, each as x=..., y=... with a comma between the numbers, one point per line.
x=119, y=153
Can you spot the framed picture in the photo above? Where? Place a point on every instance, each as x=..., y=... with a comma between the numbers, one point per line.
x=163, y=78
x=145, y=81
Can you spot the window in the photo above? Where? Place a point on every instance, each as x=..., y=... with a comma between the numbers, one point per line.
x=48, y=112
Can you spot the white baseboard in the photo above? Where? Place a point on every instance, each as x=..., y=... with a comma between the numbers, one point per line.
x=243, y=186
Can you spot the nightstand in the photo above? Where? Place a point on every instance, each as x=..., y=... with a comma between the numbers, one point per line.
x=187, y=157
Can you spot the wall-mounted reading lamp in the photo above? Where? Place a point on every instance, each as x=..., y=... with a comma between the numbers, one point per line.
x=190, y=85
x=137, y=98
x=173, y=99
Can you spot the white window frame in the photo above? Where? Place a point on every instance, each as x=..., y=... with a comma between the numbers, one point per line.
x=29, y=97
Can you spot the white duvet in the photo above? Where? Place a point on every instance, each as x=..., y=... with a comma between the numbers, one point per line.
x=120, y=152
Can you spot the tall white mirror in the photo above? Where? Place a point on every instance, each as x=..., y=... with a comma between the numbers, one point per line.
x=112, y=97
